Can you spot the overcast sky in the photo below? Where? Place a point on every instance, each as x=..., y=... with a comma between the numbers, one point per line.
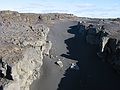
x=83, y=8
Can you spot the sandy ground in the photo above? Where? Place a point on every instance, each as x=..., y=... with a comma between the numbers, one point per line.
x=71, y=47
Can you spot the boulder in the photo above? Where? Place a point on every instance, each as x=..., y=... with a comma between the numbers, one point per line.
x=59, y=63
x=74, y=66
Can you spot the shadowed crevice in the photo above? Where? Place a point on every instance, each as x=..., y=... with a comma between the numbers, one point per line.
x=93, y=74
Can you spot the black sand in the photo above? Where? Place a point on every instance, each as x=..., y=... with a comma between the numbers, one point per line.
x=94, y=74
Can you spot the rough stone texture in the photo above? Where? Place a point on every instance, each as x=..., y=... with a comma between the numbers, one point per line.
x=59, y=63
x=107, y=38
x=23, y=41
x=111, y=53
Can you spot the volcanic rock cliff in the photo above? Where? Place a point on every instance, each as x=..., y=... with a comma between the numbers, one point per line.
x=104, y=34
x=23, y=43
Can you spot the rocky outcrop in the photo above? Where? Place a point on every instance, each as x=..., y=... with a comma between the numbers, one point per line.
x=111, y=53
x=23, y=42
x=106, y=39
x=96, y=35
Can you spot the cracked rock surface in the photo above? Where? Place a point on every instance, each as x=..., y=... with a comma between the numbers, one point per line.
x=23, y=42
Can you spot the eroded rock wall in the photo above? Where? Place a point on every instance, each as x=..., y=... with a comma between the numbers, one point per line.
x=106, y=36
x=23, y=42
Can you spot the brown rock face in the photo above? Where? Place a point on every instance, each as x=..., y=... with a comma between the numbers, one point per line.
x=23, y=41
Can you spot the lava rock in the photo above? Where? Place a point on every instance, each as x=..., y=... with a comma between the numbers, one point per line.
x=59, y=63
